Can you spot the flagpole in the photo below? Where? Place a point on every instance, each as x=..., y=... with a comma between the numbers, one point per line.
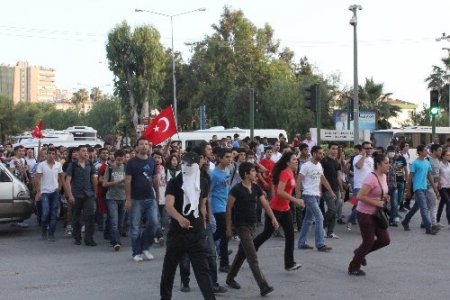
x=176, y=125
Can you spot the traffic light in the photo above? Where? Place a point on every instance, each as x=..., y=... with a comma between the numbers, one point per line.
x=311, y=97
x=434, y=102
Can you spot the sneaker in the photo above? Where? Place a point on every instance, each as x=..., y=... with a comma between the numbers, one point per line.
x=266, y=290
x=68, y=231
x=332, y=236
x=432, y=231
x=405, y=226
x=349, y=226
x=185, y=288
x=51, y=237
x=357, y=273
x=393, y=224
x=224, y=269
x=161, y=241
x=83, y=228
x=397, y=220
x=146, y=255
x=116, y=247
x=296, y=266
x=437, y=227
x=218, y=289
x=20, y=225
x=324, y=248
x=305, y=247
x=233, y=284
x=236, y=238
x=138, y=258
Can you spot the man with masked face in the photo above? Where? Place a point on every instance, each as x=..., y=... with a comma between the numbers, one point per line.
x=186, y=204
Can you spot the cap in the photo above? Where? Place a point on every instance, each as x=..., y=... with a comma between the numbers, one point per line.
x=190, y=158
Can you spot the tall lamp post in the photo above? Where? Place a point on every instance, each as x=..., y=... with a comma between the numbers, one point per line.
x=354, y=22
x=173, y=51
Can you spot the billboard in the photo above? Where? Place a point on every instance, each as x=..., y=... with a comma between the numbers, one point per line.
x=367, y=120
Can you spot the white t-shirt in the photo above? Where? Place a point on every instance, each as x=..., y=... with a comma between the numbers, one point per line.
x=444, y=175
x=49, y=179
x=276, y=156
x=30, y=162
x=360, y=174
x=312, y=173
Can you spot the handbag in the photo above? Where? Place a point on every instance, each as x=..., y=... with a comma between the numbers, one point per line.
x=381, y=215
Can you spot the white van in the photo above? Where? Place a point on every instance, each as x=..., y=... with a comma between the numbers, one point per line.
x=15, y=202
x=194, y=138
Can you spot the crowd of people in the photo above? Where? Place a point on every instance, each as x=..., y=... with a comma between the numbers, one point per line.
x=196, y=200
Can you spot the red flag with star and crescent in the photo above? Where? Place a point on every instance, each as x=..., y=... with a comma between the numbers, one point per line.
x=37, y=131
x=161, y=128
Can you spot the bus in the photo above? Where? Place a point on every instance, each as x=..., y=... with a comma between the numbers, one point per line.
x=413, y=135
x=194, y=138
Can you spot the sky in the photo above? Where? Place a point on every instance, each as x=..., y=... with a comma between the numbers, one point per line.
x=396, y=39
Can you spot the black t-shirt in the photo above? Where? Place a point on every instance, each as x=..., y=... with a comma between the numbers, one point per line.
x=174, y=188
x=330, y=170
x=244, y=209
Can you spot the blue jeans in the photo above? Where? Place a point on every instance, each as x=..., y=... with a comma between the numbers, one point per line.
x=313, y=214
x=115, y=218
x=147, y=208
x=352, y=216
x=420, y=203
x=393, y=194
x=49, y=210
x=401, y=193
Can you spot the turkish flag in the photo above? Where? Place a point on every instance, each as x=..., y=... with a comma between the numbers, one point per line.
x=161, y=128
x=37, y=131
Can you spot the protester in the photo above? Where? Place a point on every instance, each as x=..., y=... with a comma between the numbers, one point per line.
x=373, y=194
x=242, y=205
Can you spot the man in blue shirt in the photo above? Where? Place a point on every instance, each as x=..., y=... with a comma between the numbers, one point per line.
x=141, y=184
x=419, y=174
x=220, y=185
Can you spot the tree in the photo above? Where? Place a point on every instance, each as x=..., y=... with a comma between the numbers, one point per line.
x=372, y=97
x=104, y=115
x=96, y=94
x=79, y=98
x=137, y=59
x=7, y=118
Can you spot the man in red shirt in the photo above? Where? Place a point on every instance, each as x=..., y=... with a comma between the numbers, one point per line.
x=267, y=163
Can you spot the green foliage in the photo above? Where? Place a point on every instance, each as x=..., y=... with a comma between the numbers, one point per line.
x=7, y=118
x=137, y=59
x=104, y=115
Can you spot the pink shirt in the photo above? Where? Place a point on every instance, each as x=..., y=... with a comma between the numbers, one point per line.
x=374, y=192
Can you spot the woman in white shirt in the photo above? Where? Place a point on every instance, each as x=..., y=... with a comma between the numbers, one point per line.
x=444, y=186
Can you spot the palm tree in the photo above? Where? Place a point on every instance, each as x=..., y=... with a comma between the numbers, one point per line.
x=96, y=94
x=372, y=97
x=79, y=98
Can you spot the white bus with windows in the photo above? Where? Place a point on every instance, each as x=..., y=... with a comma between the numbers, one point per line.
x=413, y=135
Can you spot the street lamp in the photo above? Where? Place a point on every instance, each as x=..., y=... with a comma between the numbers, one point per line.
x=354, y=22
x=173, y=51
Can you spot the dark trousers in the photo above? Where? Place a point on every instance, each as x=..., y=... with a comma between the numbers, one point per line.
x=194, y=243
x=369, y=230
x=185, y=269
x=247, y=250
x=221, y=234
x=285, y=220
x=330, y=215
x=445, y=200
x=84, y=207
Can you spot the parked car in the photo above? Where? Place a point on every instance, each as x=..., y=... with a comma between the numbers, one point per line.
x=15, y=202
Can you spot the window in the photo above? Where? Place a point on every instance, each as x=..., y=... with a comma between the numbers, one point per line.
x=4, y=177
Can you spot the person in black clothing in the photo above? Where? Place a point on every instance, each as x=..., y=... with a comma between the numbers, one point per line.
x=186, y=204
x=241, y=212
x=331, y=166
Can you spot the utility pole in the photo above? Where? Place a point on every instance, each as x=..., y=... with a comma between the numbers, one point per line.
x=354, y=22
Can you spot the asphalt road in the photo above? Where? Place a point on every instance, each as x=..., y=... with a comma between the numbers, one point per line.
x=414, y=266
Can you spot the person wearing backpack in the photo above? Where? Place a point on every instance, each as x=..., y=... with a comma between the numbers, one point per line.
x=114, y=183
x=81, y=190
